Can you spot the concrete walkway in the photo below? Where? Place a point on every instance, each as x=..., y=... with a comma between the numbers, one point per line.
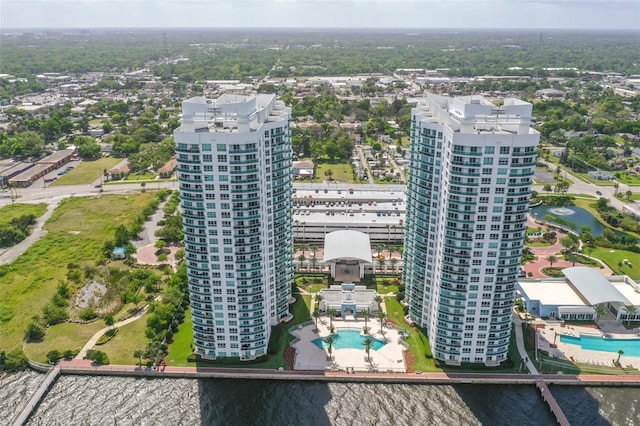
x=92, y=342
x=12, y=253
x=517, y=324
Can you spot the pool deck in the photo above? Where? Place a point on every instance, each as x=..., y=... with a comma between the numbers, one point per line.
x=386, y=359
x=575, y=353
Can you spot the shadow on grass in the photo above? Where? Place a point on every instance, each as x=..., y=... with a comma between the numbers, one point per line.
x=278, y=343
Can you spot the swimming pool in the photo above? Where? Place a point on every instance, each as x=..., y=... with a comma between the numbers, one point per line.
x=348, y=338
x=631, y=347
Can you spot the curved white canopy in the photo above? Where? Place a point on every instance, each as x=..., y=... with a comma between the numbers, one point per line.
x=347, y=244
x=593, y=286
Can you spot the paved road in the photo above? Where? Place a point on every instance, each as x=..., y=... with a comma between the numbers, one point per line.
x=582, y=187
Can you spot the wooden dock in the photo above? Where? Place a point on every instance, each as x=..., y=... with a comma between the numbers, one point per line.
x=552, y=403
x=46, y=384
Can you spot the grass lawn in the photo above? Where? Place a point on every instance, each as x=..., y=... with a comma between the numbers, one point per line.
x=417, y=341
x=539, y=244
x=76, y=232
x=13, y=211
x=613, y=256
x=342, y=172
x=141, y=176
x=129, y=338
x=623, y=196
x=87, y=172
x=62, y=337
x=180, y=348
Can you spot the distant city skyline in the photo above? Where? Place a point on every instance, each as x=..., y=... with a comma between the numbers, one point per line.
x=426, y=14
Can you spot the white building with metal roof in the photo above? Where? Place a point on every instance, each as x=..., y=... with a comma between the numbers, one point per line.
x=575, y=297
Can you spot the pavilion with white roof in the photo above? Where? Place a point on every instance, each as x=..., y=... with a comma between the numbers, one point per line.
x=347, y=252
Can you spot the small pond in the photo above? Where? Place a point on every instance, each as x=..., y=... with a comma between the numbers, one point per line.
x=575, y=215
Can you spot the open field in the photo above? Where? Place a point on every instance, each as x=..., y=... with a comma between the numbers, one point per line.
x=62, y=337
x=12, y=211
x=341, y=172
x=613, y=256
x=87, y=172
x=76, y=232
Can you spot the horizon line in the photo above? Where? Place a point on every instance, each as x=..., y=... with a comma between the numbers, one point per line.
x=327, y=28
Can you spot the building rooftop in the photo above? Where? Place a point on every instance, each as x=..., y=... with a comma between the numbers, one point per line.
x=347, y=244
x=594, y=287
x=57, y=156
x=551, y=292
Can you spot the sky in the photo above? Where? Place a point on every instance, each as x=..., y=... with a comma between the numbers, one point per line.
x=494, y=14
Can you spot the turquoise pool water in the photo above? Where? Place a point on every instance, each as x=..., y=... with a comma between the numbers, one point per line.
x=631, y=347
x=348, y=338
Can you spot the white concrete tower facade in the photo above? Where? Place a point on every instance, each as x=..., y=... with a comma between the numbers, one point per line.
x=470, y=178
x=234, y=171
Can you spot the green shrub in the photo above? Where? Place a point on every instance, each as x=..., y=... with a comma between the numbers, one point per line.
x=35, y=332
x=98, y=357
x=54, y=314
x=16, y=360
x=108, y=335
x=53, y=356
x=87, y=314
x=69, y=354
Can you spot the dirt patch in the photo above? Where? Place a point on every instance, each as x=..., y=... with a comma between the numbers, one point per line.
x=90, y=295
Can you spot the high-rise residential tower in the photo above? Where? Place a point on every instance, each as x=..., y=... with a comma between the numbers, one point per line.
x=234, y=169
x=470, y=176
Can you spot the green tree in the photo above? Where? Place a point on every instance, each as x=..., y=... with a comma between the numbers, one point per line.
x=551, y=259
x=138, y=353
x=329, y=341
x=630, y=310
x=368, y=343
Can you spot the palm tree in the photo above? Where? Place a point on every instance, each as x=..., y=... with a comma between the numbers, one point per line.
x=381, y=261
x=381, y=317
x=138, y=353
x=600, y=310
x=629, y=194
x=620, y=353
x=314, y=260
x=366, y=314
x=551, y=259
x=379, y=248
x=630, y=310
x=316, y=315
x=378, y=299
x=319, y=299
x=331, y=313
x=368, y=343
x=329, y=341
x=388, y=232
x=301, y=259
x=394, y=263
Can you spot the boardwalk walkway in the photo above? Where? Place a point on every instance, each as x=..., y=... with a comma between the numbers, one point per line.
x=46, y=384
x=552, y=403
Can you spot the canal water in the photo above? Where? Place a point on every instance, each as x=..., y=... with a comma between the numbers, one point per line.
x=85, y=400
